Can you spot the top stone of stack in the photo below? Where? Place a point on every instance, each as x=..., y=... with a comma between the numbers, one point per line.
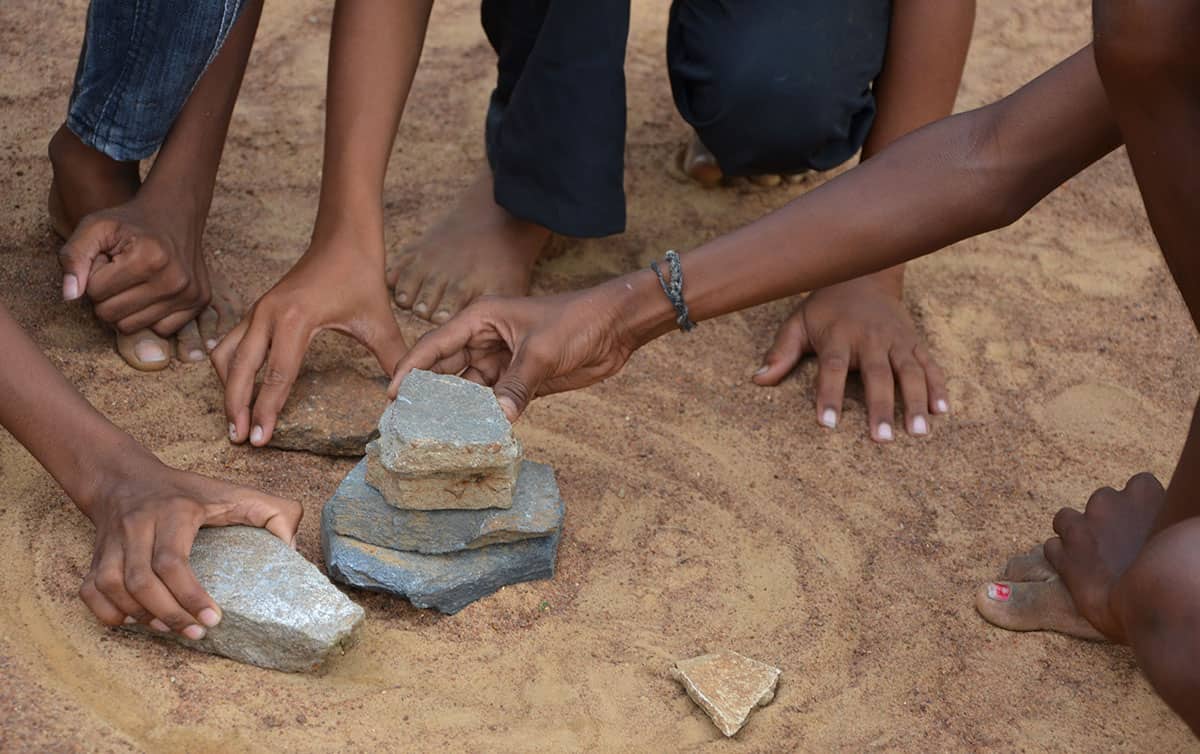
x=444, y=443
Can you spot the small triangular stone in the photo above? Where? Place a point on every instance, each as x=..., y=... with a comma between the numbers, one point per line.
x=727, y=686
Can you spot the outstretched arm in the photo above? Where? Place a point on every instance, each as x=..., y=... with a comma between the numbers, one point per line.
x=959, y=177
x=339, y=282
x=146, y=514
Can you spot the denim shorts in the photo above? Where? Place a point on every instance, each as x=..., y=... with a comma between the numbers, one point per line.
x=139, y=63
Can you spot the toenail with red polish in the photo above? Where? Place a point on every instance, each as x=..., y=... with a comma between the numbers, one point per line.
x=999, y=592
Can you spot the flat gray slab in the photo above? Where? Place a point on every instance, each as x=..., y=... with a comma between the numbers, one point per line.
x=445, y=582
x=442, y=424
x=277, y=610
x=358, y=510
x=333, y=413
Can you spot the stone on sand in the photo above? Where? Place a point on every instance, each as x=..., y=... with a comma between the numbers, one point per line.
x=358, y=510
x=445, y=582
x=333, y=413
x=727, y=686
x=277, y=610
x=444, y=443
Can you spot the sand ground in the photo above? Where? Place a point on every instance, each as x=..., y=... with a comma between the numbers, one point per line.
x=703, y=512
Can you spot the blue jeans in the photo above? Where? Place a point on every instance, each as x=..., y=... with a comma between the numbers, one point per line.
x=139, y=63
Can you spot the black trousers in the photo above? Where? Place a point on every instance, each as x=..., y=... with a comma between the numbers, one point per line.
x=770, y=86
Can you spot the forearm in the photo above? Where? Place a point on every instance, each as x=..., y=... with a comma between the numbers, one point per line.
x=957, y=178
x=373, y=57
x=1183, y=493
x=77, y=445
x=927, y=49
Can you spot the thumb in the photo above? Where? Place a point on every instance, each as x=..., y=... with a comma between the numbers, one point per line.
x=519, y=383
x=90, y=240
x=276, y=515
x=386, y=344
x=790, y=344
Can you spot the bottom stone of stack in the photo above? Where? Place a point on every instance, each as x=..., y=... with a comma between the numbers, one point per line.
x=448, y=582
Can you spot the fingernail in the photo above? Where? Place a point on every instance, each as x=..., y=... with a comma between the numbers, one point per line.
x=420, y=308
x=149, y=351
x=210, y=344
x=209, y=617
x=942, y=407
x=999, y=592
x=508, y=407
x=441, y=316
x=194, y=632
x=762, y=370
x=130, y=620
x=256, y=435
x=920, y=426
x=70, y=289
x=829, y=418
x=158, y=625
x=885, y=431
x=232, y=431
x=196, y=355
x=401, y=298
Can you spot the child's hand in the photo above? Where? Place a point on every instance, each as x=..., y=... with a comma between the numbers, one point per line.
x=146, y=522
x=1094, y=548
x=140, y=265
x=863, y=325
x=529, y=347
x=330, y=288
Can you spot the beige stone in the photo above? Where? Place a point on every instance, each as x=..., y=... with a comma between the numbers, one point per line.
x=727, y=686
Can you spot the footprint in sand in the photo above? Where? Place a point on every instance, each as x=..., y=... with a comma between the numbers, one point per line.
x=1096, y=414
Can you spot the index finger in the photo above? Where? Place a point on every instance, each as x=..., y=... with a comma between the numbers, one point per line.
x=172, y=546
x=283, y=365
x=243, y=362
x=443, y=349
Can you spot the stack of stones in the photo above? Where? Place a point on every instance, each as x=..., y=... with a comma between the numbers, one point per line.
x=443, y=510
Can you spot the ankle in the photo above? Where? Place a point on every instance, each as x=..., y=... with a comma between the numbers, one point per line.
x=74, y=162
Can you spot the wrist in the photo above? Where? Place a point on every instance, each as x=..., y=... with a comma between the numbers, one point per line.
x=105, y=475
x=644, y=312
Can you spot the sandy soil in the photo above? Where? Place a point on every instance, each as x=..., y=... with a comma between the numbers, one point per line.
x=702, y=511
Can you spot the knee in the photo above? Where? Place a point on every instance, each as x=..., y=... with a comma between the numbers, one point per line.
x=767, y=118
x=1139, y=38
x=1160, y=592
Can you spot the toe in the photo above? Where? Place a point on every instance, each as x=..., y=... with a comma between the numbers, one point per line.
x=408, y=282
x=454, y=299
x=189, y=347
x=1032, y=606
x=1030, y=566
x=768, y=180
x=429, y=297
x=700, y=165
x=144, y=351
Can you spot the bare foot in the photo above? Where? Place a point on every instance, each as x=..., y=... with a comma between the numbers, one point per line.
x=85, y=182
x=696, y=162
x=1033, y=606
x=1031, y=597
x=478, y=249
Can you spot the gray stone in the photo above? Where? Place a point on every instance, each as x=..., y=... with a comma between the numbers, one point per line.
x=727, y=686
x=277, y=610
x=445, y=582
x=358, y=510
x=444, y=443
x=333, y=413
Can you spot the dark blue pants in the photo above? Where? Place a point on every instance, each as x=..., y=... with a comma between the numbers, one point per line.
x=771, y=86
